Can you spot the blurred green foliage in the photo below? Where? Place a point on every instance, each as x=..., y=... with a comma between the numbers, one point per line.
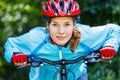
x=18, y=16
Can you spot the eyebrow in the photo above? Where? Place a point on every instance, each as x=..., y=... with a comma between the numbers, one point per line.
x=54, y=22
x=65, y=21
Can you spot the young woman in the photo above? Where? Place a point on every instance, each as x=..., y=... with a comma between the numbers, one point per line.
x=62, y=34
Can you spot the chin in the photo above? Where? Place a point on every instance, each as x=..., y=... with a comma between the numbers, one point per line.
x=61, y=44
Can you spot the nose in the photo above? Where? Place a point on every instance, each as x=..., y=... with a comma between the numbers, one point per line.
x=61, y=30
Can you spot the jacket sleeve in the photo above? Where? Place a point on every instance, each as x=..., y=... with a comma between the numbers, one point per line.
x=112, y=34
x=100, y=36
x=24, y=43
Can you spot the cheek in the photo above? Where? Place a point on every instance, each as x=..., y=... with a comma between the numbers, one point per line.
x=53, y=32
x=70, y=34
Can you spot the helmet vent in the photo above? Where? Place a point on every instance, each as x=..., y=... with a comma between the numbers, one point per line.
x=61, y=5
x=76, y=6
x=54, y=8
x=45, y=7
x=69, y=8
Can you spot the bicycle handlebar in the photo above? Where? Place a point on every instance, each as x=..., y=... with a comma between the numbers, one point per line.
x=91, y=58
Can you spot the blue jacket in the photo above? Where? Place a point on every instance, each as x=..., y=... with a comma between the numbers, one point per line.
x=92, y=39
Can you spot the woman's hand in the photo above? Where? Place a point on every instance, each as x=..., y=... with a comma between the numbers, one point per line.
x=107, y=53
x=20, y=59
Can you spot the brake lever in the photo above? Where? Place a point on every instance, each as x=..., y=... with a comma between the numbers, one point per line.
x=95, y=57
x=31, y=62
x=105, y=61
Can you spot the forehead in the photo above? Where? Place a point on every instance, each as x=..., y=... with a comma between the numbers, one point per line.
x=62, y=19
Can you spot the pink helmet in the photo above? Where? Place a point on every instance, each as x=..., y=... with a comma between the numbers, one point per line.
x=54, y=8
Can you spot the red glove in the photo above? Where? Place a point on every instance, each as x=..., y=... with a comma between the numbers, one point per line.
x=107, y=52
x=19, y=58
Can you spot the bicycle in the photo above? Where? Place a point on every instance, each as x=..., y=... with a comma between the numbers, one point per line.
x=91, y=58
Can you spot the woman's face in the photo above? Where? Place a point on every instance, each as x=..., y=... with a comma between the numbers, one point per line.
x=61, y=29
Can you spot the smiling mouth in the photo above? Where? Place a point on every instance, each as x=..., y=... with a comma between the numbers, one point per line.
x=60, y=38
